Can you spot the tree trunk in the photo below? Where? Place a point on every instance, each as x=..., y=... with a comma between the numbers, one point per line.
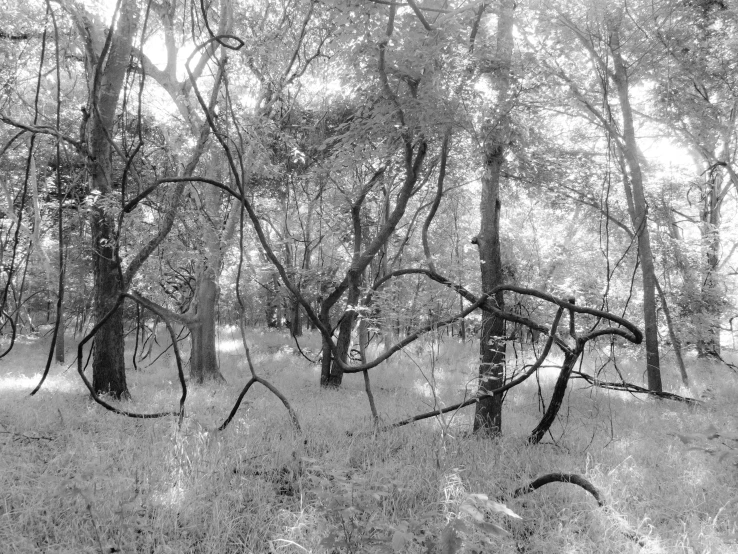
x=345, y=329
x=108, y=367
x=488, y=415
x=638, y=216
x=296, y=321
x=711, y=297
x=204, y=356
x=327, y=353
x=59, y=352
x=675, y=340
x=557, y=397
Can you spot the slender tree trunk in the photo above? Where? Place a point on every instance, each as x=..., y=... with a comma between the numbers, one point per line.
x=327, y=356
x=557, y=398
x=488, y=415
x=675, y=340
x=711, y=297
x=59, y=349
x=639, y=216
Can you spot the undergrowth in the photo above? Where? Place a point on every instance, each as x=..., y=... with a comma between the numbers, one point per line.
x=75, y=478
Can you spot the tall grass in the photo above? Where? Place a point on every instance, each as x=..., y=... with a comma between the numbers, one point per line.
x=75, y=478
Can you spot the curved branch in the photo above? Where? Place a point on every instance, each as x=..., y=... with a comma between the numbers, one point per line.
x=633, y=334
x=40, y=130
x=12, y=335
x=412, y=337
x=256, y=379
x=106, y=405
x=436, y=200
x=573, y=478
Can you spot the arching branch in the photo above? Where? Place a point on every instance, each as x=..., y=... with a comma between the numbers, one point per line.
x=572, y=478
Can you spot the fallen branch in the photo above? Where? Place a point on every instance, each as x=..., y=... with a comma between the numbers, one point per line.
x=633, y=389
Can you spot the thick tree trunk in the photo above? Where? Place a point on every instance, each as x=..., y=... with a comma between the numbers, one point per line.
x=108, y=365
x=204, y=356
x=639, y=216
x=345, y=329
x=488, y=414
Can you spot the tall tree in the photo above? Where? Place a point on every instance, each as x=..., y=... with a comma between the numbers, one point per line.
x=107, y=59
x=598, y=31
x=495, y=140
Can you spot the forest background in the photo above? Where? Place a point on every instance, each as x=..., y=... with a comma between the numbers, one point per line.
x=527, y=209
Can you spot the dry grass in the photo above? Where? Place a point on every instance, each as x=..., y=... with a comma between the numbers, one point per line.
x=75, y=479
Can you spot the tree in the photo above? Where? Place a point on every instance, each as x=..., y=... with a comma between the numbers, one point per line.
x=107, y=58
x=599, y=34
x=694, y=100
x=495, y=140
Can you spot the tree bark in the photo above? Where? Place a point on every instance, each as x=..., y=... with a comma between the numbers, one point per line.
x=204, y=356
x=711, y=297
x=59, y=348
x=345, y=330
x=488, y=414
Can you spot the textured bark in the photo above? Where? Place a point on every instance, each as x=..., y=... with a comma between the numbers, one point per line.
x=488, y=415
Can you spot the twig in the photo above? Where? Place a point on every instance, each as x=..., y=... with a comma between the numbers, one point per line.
x=26, y=436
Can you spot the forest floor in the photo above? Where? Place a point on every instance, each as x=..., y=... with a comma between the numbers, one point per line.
x=75, y=478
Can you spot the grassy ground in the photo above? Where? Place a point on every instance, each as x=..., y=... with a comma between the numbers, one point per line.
x=75, y=478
